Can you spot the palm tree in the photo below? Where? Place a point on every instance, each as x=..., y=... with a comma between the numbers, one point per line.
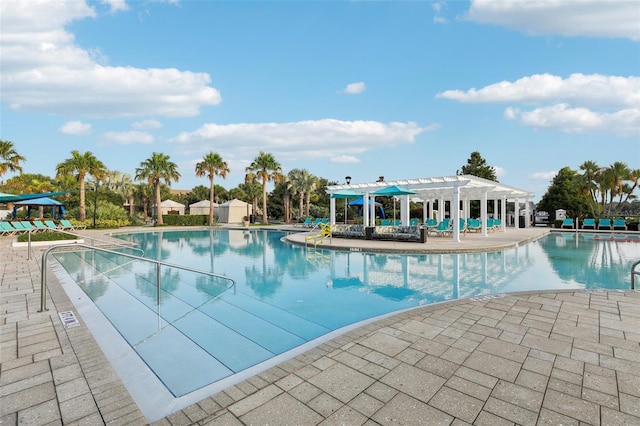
x=296, y=183
x=211, y=165
x=265, y=168
x=81, y=164
x=154, y=169
x=9, y=158
x=121, y=184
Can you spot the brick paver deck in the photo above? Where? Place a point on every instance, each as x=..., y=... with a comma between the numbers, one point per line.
x=553, y=357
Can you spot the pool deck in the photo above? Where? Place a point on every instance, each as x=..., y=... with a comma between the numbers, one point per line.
x=544, y=357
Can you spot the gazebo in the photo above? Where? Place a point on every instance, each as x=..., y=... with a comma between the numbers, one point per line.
x=40, y=203
x=457, y=190
x=171, y=207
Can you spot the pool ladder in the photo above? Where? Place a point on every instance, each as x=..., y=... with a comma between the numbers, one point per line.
x=159, y=264
x=633, y=274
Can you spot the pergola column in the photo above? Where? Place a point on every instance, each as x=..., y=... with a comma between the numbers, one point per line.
x=483, y=213
x=503, y=214
x=517, y=214
x=365, y=209
x=441, y=208
x=425, y=210
x=455, y=206
x=404, y=210
x=332, y=211
x=526, y=213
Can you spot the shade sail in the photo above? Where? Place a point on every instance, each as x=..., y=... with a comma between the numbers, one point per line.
x=38, y=202
x=347, y=193
x=393, y=190
x=7, y=198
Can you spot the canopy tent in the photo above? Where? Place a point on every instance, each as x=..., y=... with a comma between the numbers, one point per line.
x=202, y=207
x=40, y=202
x=171, y=207
x=234, y=211
x=8, y=198
x=360, y=201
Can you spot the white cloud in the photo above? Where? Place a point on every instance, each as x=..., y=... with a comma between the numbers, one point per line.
x=354, y=88
x=577, y=104
x=344, y=159
x=500, y=171
x=147, y=124
x=128, y=138
x=579, y=120
x=116, y=5
x=328, y=138
x=590, y=18
x=593, y=89
x=75, y=128
x=544, y=175
x=44, y=70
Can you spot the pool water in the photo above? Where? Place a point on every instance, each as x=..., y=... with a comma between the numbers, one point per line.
x=198, y=330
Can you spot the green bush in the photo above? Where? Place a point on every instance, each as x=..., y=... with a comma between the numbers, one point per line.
x=186, y=220
x=46, y=236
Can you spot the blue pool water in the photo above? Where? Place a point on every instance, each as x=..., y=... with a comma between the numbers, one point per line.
x=198, y=330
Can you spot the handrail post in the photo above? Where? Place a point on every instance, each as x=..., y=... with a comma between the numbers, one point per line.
x=633, y=274
x=158, y=266
x=29, y=245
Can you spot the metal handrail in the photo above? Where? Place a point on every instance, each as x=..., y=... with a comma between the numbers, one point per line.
x=111, y=243
x=159, y=264
x=633, y=274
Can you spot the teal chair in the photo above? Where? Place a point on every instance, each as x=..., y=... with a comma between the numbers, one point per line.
x=604, y=223
x=51, y=224
x=414, y=221
x=567, y=223
x=385, y=222
x=431, y=223
x=589, y=223
x=619, y=225
x=6, y=229
x=474, y=225
x=443, y=228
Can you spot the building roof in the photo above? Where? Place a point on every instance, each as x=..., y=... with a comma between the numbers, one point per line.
x=471, y=187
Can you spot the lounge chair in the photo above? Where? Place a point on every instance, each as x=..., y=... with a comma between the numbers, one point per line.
x=619, y=225
x=431, y=223
x=68, y=225
x=397, y=222
x=52, y=225
x=589, y=223
x=41, y=226
x=305, y=224
x=385, y=222
x=474, y=225
x=497, y=224
x=414, y=221
x=604, y=223
x=567, y=223
x=463, y=226
x=6, y=229
x=443, y=228
x=19, y=226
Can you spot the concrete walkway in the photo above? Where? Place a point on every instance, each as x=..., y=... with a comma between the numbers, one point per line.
x=556, y=357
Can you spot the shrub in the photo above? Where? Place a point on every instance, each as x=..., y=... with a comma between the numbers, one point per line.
x=186, y=220
x=46, y=236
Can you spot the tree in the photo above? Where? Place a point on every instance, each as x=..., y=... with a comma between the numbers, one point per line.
x=264, y=168
x=81, y=164
x=9, y=158
x=477, y=166
x=212, y=165
x=563, y=194
x=121, y=184
x=155, y=169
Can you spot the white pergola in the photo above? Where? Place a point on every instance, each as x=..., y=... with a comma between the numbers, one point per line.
x=455, y=189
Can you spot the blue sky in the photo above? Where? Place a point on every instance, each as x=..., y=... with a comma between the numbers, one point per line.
x=360, y=88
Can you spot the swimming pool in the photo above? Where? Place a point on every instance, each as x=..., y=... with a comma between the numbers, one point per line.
x=204, y=330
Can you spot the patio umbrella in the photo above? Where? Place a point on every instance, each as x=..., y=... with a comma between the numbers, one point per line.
x=346, y=194
x=392, y=191
x=360, y=201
